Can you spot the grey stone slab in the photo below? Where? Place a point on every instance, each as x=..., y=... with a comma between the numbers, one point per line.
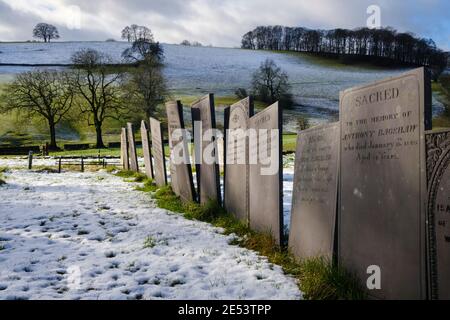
x=266, y=185
x=383, y=184
x=181, y=172
x=146, y=150
x=236, y=168
x=208, y=181
x=158, y=152
x=124, y=150
x=438, y=177
x=132, y=149
x=314, y=204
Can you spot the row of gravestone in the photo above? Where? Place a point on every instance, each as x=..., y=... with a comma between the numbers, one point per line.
x=262, y=209
x=370, y=192
x=373, y=190
x=154, y=159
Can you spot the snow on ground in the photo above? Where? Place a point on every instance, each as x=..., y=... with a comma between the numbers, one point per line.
x=288, y=185
x=22, y=162
x=91, y=236
x=38, y=161
x=288, y=178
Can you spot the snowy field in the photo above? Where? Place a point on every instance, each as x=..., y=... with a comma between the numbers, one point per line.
x=91, y=236
x=288, y=177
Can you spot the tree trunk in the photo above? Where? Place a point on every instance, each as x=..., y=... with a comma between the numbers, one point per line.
x=53, y=145
x=98, y=130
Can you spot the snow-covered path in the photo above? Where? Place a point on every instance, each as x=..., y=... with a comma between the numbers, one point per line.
x=91, y=236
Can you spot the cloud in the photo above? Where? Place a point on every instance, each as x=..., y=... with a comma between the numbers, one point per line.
x=220, y=23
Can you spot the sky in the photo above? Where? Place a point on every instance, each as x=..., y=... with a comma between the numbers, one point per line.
x=216, y=22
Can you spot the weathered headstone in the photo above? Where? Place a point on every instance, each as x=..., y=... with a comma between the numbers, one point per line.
x=236, y=171
x=124, y=150
x=266, y=172
x=314, y=204
x=383, y=185
x=180, y=164
x=134, y=166
x=158, y=152
x=147, y=151
x=206, y=158
x=438, y=177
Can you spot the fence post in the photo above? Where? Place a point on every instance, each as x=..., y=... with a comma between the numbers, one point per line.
x=30, y=160
x=82, y=164
x=104, y=163
x=59, y=164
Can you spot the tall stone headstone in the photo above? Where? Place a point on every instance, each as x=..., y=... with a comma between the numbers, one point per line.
x=236, y=168
x=180, y=164
x=158, y=152
x=124, y=150
x=266, y=172
x=438, y=177
x=147, y=151
x=383, y=184
x=314, y=204
x=134, y=166
x=208, y=181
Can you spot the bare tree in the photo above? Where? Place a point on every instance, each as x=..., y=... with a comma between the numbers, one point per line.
x=383, y=45
x=271, y=84
x=126, y=34
x=42, y=93
x=45, y=31
x=98, y=90
x=134, y=33
x=142, y=50
x=146, y=86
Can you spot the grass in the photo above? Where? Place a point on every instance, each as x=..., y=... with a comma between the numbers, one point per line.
x=90, y=153
x=442, y=89
x=333, y=62
x=318, y=278
x=4, y=169
x=289, y=143
x=149, y=243
x=44, y=169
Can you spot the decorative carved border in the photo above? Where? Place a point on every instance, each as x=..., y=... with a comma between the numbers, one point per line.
x=438, y=161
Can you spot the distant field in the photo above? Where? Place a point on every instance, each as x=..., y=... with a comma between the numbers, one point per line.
x=17, y=130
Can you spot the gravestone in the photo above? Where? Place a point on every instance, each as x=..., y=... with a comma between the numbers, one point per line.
x=132, y=149
x=158, y=152
x=438, y=177
x=180, y=164
x=208, y=181
x=236, y=170
x=265, y=177
x=314, y=204
x=124, y=150
x=383, y=184
x=147, y=151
